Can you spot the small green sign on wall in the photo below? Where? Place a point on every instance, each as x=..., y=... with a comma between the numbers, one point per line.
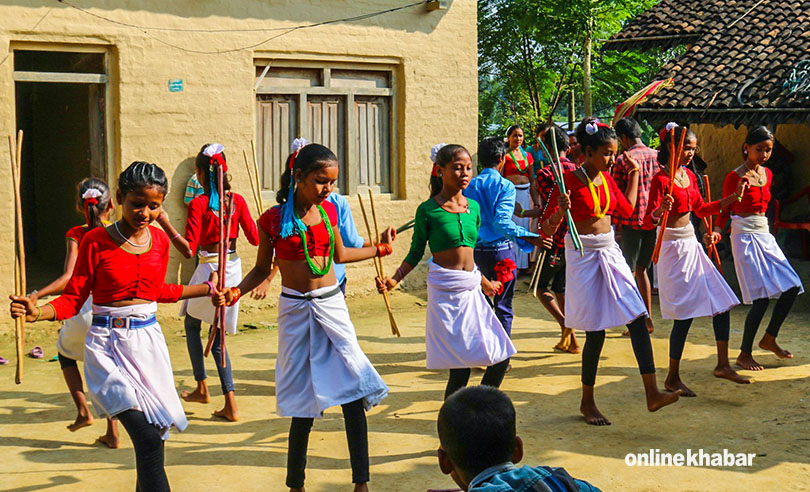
x=176, y=85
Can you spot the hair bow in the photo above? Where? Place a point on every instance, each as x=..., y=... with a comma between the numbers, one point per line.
x=591, y=128
x=214, y=153
x=91, y=194
x=297, y=144
x=434, y=151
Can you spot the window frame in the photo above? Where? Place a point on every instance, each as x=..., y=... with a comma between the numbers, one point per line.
x=325, y=66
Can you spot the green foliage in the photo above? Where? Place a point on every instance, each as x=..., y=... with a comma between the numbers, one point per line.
x=531, y=55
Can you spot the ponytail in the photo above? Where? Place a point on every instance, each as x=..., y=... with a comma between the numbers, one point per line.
x=209, y=157
x=93, y=200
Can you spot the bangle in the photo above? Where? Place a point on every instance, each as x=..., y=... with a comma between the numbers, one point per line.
x=211, y=286
x=174, y=237
x=739, y=197
x=634, y=170
x=38, y=315
x=236, y=294
x=384, y=249
x=520, y=214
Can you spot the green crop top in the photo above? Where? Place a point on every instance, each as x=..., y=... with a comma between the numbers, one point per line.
x=443, y=229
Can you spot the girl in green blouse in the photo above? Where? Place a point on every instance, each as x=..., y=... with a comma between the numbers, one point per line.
x=462, y=330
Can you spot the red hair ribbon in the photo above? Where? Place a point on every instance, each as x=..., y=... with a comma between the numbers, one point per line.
x=218, y=160
x=504, y=271
x=435, y=172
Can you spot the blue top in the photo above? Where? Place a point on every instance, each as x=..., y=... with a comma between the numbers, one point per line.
x=348, y=231
x=496, y=196
x=506, y=477
x=540, y=159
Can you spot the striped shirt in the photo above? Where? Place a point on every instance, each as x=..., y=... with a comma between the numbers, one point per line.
x=193, y=189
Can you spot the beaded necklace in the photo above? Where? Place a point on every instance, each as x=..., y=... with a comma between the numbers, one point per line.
x=598, y=211
x=517, y=165
x=319, y=272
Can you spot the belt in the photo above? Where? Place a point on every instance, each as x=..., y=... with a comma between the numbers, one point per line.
x=308, y=297
x=497, y=247
x=215, y=258
x=129, y=323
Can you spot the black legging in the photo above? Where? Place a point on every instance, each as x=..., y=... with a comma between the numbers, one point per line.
x=757, y=312
x=459, y=378
x=642, y=349
x=148, y=451
x=680, y=328
x=354, y=415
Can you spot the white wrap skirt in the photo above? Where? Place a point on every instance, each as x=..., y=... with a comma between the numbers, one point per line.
x=71, y=336
x=761, y=266
x=201, y=307
x=600, y=292
x=129, y=368
x=689, y=285
x=524, y=198
x=320, y=363
x=461, y=329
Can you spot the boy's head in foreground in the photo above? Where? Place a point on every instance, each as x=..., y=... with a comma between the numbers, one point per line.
x=477, y=431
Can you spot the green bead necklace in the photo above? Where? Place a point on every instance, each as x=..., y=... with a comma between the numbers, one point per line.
x=302, y=231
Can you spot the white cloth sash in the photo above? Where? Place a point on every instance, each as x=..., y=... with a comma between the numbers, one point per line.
x=320, y=363
x=689, y=285
x=129, y=368
x=461, y=329
x=201, y=307
x=600, y=292
x=762, y=269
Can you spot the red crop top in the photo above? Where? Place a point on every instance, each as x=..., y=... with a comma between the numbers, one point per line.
x=685, y=199
x=511, y=169
x=290, y=248
x=77, y=233
x=582, y=201
x=112, y=274
x=202, y=225
x=754, y=200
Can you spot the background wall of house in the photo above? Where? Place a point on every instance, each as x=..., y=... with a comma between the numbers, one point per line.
x=436, y=92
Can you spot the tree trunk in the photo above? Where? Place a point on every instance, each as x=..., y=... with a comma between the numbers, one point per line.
x=572, y=108
x=586, y=75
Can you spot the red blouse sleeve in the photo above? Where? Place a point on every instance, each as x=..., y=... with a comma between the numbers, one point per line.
x=268, y=222
x=729, y=188
x=246, y=220
x=550, y=210
x=623, y=207
x=75, y=234
x=658, y=188
x=194, y=223
x=168, y=293
x=78, y=287
x=697, y=205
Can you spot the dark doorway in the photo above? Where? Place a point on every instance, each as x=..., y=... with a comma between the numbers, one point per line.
x=64, y=143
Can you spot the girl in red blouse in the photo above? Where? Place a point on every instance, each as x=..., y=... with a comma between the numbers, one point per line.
x=202, y=236
x=320, y=363
x=762, y=269
x=689, y=286
x=127, y=365
x=93, y=201
x=600, y=290
x=518, y=170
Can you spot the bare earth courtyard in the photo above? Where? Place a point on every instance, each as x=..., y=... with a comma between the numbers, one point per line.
x=770, y=418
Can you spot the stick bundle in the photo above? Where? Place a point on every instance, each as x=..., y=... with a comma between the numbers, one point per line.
x=222, y=258
x=675, y=156
x=708, y=222
x=19, y=260
x=378, y=261
x=536, y=275
x=557, y=171
x=253, y=188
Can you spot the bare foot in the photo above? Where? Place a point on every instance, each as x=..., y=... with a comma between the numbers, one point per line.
x=657, y=401
x=227, y=414
x=726, y=372
x=592, y=414
x=573, y=346
x=196, y=396
x=676, y=384
x=746, y=361
x=81, y=421
x=769, y=343
x=361, y=487
x=109, y=441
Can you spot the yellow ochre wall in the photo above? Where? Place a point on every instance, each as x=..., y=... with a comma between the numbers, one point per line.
x=436, y=91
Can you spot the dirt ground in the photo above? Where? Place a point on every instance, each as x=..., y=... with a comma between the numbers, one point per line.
x=769, y=418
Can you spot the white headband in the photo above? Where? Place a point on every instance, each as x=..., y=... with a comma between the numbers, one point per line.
x=213, y=149
x=434, y=151
x=91, y=193
x=298, y=144
x=591, y=128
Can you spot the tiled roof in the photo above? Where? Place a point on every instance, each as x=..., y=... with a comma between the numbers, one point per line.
x=737, y=69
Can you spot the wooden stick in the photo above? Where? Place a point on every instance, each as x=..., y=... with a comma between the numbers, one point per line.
x=673, y=166
x=252, y=186
x=19, y=264
x=536, y=274
x=378, y=268
x=709, y=223
x=258, y=177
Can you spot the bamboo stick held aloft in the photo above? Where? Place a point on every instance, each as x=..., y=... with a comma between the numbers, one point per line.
x=15, y=152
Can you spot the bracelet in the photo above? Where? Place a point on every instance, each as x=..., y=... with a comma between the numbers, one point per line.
x=236, y=294
x=212, y=287
x=174, y=237
x=521, y=213
x=38, y=315
x=634, y=170
x=384, y=249
x=739, y=198
x=32, y=293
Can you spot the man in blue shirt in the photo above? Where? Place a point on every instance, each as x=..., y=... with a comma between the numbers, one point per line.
x=348, y=232
x=496, y=196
